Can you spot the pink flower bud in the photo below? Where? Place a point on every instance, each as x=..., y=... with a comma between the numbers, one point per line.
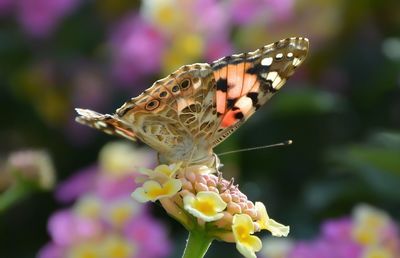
x=250, y=205
x=211, y=182
x=213, y=189
x=251, y=212
x=226, y=197
x=200, y=187
x=235, y=198
x=200, y=179
x=242, y=205
x=187, y=186
x=191, y=176
x=226, y=220
x=233, y=208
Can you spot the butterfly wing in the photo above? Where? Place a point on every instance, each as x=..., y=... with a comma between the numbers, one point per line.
x=173, y=115
x=247, y=81
x=106, y=123
x=186, y=114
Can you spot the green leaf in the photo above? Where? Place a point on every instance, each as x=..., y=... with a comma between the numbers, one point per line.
x=305, y=100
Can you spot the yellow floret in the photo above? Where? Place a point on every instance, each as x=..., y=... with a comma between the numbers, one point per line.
x=271, y=225
x=207, y=206
x=153, y=190
x=242, y=229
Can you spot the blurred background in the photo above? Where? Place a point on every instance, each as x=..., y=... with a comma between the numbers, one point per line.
x=64, y=186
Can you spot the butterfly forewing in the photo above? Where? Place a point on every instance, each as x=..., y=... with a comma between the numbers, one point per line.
x=246, y=81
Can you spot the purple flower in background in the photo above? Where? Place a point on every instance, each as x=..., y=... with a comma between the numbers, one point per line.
x=368, y=233
x=281, y=10
x=217, y=48
x=141, y=230
x=323, y=248
x=104, y=220
x=112, y=228
x=40, y=17
x=136, y=48
x=6, y=6
x=245, y=11
x=80, y=183
x=66, y=228
x=113, y=177
x=212, y=19
x=255, y=11
x=337, y=229
x=51, y=250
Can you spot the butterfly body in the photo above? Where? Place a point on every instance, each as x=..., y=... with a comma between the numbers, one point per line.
x=186, y=114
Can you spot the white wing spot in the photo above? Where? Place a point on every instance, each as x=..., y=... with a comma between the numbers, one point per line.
x=296, y=61
x=289, y=55
x=279, y=56
x=100, y=124
x=272, y=75
x=117, y=131
x=266, y=61
x=277, y=84
x=238, y=55
x=275, y=78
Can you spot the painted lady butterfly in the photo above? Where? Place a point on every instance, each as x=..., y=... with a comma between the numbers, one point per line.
x=185, y=115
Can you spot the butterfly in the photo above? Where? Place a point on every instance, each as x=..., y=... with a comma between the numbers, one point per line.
x=186, y=114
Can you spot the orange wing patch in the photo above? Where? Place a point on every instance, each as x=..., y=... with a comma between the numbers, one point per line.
x=233, y=83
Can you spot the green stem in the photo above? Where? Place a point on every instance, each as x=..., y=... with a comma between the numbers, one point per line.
x=13, y=194
x=197, y=244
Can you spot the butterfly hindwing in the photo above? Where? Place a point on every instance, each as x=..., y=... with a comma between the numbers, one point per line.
x=175, y=112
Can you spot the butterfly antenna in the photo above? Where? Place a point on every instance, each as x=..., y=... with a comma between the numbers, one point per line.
x=285, y=143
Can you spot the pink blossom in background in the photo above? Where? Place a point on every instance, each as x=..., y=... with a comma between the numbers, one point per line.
x=91, y=180
x=280, y=10
x=6, y=7
x=367, y=233
x=66, y=228
x=335, y=241
x=108, y=187
x=136, y=49
x=337, y=229
x=216, y=48
x=40, y=17
x=246, y=11
x=51, y=250
x=323, y=248
x=113, y=177
x=85, y=225
x=141, y=230
x=211, y=20
x=104, y=220
x=80, y=183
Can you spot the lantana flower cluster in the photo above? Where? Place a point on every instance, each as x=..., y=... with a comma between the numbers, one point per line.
x=368, y=233
x=30, y=166
x=200, y=199
x=95, y=227
x=23, y=173
x=104, y=221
